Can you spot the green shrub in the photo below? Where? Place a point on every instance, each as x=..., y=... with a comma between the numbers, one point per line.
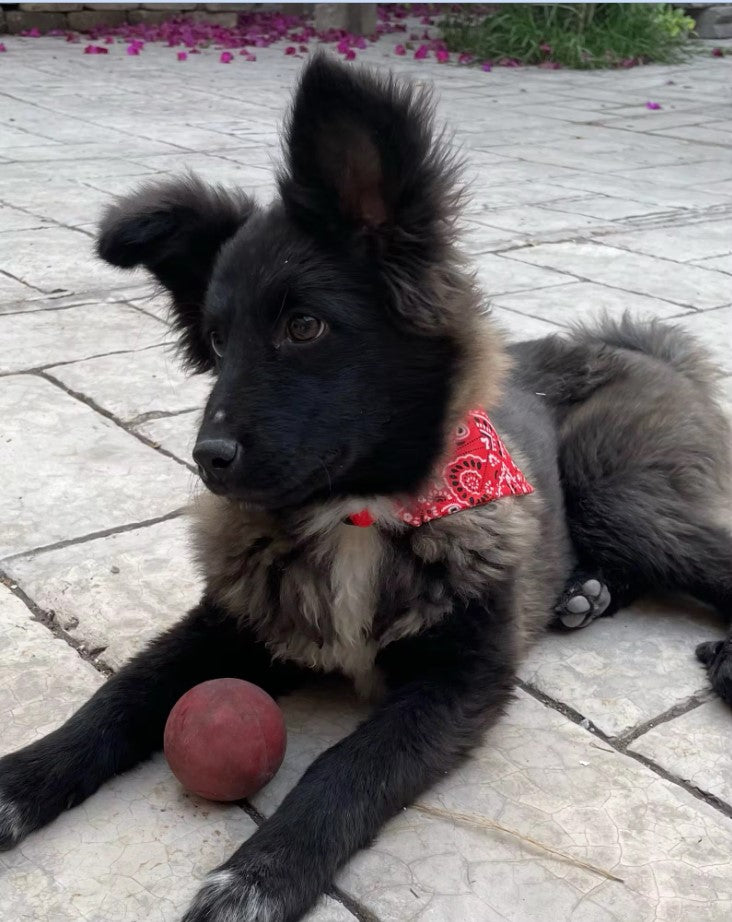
x=572, y=34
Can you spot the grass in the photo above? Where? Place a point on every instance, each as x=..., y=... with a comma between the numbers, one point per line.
x=572, y=34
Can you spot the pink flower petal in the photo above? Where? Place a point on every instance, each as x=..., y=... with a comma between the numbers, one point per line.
x=442, y=55
x=182, y=56
x=653, y=105
x=400, y=49
x=487, y=66
x=226, y=57
x=717, y=52
x=421, y=53
x=2, y=48
x=350, y=55
x=465, y=58
x=290, y=49
x=134, y=48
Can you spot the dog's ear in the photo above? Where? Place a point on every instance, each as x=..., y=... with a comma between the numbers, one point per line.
x=175, y=229
x=361, y=160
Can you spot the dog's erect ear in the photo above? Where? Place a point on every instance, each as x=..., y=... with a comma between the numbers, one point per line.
x=360, y=155
x=175, y=229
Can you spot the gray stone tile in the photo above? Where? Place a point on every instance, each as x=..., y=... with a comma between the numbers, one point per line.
x=153, y=382
x=176, y=434
x=688, y=286
x=42, y=680
x=477, y=238
x=57, y=258
x=88, y=475
x=116, y=593
x=533, y=221
x=705, y=173
x=681, y=242
x=721, y=263
x=41, y=338
x=64, y=200
x=497, y=275
x=585, y=301
x=545, y=778
x=622, y=671
x=518, y=327
x=12, y=290
x=13, y=219
x=606, y=207
x=642, y=190
x=714, y=330
x=694, y=747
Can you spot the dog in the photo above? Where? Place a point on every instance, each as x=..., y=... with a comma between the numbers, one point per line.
x=392, y=493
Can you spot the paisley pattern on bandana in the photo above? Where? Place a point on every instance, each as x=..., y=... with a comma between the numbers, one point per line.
x=478, y=470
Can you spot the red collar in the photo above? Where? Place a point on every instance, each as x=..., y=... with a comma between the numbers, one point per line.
x=477, y=470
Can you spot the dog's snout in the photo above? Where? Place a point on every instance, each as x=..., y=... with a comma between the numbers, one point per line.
x=215, y=456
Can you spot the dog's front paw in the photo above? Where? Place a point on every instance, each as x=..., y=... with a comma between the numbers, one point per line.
x=13, y=826
x=229, y=895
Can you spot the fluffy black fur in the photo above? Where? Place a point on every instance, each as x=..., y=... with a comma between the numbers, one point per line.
x=625, y=451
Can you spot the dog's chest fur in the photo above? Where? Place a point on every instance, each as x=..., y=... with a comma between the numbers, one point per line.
x=328, y=595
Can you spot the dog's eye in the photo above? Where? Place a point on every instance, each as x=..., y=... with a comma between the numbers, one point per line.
x=217, y=343
x=302, y=328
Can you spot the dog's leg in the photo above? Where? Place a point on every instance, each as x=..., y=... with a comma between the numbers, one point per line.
x=448, y=685
x=123, y=722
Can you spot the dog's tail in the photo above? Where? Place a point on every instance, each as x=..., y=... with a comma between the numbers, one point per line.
x=663, y=341
x=566, y=369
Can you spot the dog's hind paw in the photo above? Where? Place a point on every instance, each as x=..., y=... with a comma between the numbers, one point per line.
x=716, y=656
x=585, y=598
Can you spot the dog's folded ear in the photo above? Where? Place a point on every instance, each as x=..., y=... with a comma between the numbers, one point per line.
x=175, y=229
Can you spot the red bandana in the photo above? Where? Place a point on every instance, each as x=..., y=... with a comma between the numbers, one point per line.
x=478, y=470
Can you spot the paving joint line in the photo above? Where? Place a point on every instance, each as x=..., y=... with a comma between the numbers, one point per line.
x=121, y=424
x=577, y=718
x=48, y=620
x=95, y=535
x=44, y=369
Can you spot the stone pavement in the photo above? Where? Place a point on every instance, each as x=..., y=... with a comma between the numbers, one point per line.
x=614, y=752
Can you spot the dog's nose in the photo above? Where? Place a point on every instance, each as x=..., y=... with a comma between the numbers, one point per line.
x=215, y=455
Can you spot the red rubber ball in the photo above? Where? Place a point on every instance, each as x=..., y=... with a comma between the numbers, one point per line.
x=225, y=739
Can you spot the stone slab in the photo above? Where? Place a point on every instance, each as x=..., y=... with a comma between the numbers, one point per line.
x=176, y=434
x=620, y=672
x=153, y=382
x=116, y=593
x=518, y=327
x=547, y=779
x=714, y=330
x=497, y=275
x=687, y=286
x=585, y=301
x=42, y=679
x=41, y=338
x=88, y=474
x=681, y=242
x=694, y=747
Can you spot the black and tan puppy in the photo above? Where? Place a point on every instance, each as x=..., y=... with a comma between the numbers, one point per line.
x=363, y=515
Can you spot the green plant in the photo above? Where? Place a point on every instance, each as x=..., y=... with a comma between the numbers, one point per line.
x=571, y=34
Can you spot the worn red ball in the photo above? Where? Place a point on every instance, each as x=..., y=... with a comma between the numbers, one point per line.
x=225, y=739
